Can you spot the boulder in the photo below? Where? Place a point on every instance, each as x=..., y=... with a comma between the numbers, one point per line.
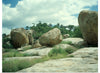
x=51, y=38
x=76, y=41
x=36, y=44
x=64, y=46
x=88, y=22
x=66, y=36
x=20, y=37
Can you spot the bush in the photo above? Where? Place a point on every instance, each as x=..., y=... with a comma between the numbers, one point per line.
x=5, y=45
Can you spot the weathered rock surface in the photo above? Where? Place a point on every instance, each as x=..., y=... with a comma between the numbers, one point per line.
x=51, y=38
x=30, y=34
x=91, y=52
x=20, y=37
x=64, y=46
x=75, y=64
x=76, y=41
x=24, y=47
x=36, y=44
x=88, y=22
x=66, y=36
x=39, y=51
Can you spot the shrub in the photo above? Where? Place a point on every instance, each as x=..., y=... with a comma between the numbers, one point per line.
x=5, y=45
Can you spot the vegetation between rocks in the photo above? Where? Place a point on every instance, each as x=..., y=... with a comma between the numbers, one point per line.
x=16, y=65
x=17, y=54
x=68, y=42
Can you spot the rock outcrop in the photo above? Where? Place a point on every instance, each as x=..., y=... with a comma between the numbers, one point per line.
x=83, y=60
x=88, y=21
x=64, y=46
x=66, y=36
x=76, y=41
x=21, y=37
x=36, y=44
x=38, y=51
x=30, y=36
x=51, y=38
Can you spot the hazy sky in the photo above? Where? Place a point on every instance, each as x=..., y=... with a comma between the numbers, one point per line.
x=21, y=13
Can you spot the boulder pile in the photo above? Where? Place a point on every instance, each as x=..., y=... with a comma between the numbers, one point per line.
x=21, y=37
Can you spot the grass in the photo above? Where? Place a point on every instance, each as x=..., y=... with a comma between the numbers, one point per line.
x=27, y=48
x=16, y=65
x=9, y=50
x=17, y=54
x=66, y=42
x=55, y=52
x=14, y=50
x=71, y=56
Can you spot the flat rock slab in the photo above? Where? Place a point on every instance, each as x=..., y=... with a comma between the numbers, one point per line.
x=22, y=58
x=39, y=51
x=76, y=41
x=88, y=52
x=75, y=64
x=65, y=65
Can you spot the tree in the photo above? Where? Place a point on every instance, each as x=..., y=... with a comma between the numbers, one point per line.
x=77, y=32
x=27, y=27
x=70, y=27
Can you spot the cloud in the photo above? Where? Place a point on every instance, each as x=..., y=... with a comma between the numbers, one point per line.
x=6, y=30
x=27, y=12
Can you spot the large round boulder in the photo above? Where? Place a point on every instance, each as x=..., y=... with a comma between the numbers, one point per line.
x=88, y=21
x=51, y=38
x=20, y=37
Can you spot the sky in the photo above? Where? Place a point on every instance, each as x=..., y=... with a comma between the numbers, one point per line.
x=21, y=13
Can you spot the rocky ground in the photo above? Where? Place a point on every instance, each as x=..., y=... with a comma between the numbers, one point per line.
x=84, y=60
